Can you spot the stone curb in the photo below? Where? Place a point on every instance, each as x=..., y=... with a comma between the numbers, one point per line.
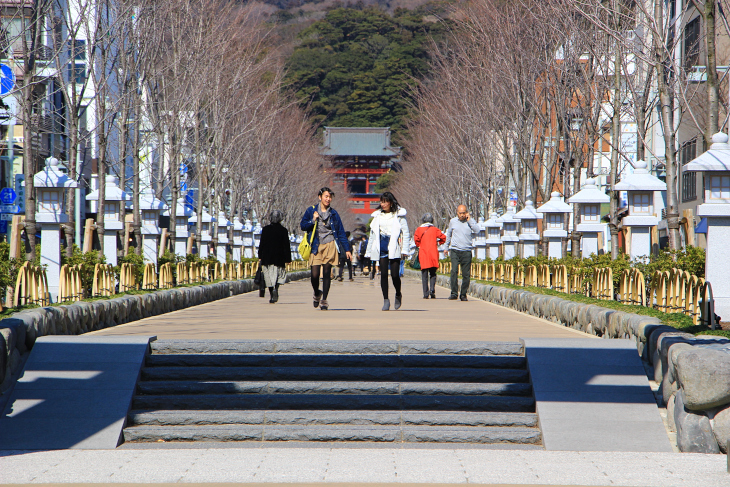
x=693, y=372
x=19, y=332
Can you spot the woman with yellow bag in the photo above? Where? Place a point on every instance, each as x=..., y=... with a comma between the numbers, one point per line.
x=324, y=240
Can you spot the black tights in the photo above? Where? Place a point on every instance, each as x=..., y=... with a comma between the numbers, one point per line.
x=394, y=265
x=326, y=279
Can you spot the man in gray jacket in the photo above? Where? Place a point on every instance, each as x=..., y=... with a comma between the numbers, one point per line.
x=459, y=243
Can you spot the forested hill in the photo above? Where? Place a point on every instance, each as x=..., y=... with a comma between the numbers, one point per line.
x=354, y=67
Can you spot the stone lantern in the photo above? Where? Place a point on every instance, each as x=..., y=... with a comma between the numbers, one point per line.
x=715, y=164
x=295, y=241
x=256, y=236
x=529, y=237
x=182, y=232
x=205, y=237
x=480, y=242
x=150, y=209
x=51, y=184
x=493, y=233
x=113, y=197
x=589, y=200
x=237, y=239
x=553, y=228
x=641, y=187
x=220, y=250
x=248, y=248
x=509, y=233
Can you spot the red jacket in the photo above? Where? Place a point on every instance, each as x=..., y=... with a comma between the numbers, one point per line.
x=427, y=238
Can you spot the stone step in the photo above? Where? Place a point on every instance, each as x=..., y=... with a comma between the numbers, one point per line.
x=332, y=401
x=390, y=374
x=335, y=360
x=222, y=433
x=313, y=417
x=320, y=347
x=178, y=387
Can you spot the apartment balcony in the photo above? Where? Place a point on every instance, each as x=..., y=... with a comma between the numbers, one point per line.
x=41, y=123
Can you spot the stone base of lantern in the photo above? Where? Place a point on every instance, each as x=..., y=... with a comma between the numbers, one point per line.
x=640, y=242
x=110, y=246
x=493, y=250
x=529, y=248
x=481, y=251
x=181, y=245
x=236, y=254
x=220, y=252
x=589, y=244
x=51, y=257
x=718, y=234
x=510, y=250
x=149, y=247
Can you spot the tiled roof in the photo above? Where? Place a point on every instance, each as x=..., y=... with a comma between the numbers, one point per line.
x=358, y=141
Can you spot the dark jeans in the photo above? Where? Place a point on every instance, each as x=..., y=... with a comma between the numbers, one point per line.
x=460, y=258
x=343, y=262
x=428, y=279
x=361, y=263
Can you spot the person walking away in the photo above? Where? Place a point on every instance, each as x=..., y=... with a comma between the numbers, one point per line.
x=275, y=254
x=344, y=260
x=361, y=249
x=329, y=239
x=388, y=237
x=427, y=238
x=459, y=244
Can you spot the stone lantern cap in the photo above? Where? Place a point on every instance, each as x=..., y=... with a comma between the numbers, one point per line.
x=223, y=221
x=493, y=221
x=52, y=177
x=180, y=210
x=256, y=227
x=205, y=217
x=247, y=226
x=555, y=205
x=509, y=217
x=640, y=180
x=528, y=212
x=148, y=201
x=717, y=158
x=112, y=191
x=590, y=194
x=237, y=225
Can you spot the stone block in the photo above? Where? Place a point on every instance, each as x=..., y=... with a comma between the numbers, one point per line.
x=694, y=431
x=721, y=428
x=671, y=403
x=704, y=376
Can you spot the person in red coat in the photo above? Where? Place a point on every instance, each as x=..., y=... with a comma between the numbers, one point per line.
x=427, y=238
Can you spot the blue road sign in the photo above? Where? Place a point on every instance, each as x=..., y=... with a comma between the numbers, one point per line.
x=183, y=186
x=9, y=208
x=183, y=168
x=7, y=196
x=7, y=79
x=3, y=226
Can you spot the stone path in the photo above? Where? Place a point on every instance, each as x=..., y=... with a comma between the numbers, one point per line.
x=354, y=314
x=364, y=465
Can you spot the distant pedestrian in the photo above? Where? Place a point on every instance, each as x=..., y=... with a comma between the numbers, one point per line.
x=388, y=237
x=362, y=247
x=275, y=254
x=329, y=237
x=344, y=260
x=427, y=238
x=459, y=243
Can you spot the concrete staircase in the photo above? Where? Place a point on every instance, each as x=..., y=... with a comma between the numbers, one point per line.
x=334, y=391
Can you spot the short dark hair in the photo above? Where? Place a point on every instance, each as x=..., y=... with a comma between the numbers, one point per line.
x=427, y=218
x=326, y=190
x=389, y=197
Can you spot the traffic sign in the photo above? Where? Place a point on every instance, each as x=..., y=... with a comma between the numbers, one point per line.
x=3, y=226
x=183, y=186
x=9, y=209
x=6, y=217
x=7, y=196
x=7, y=79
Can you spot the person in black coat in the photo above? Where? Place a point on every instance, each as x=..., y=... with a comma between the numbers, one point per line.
x=275, y=253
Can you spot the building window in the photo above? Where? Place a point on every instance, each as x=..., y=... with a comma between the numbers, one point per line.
x=591, y=213
x=529, y=226
x=493, y=232
x=555, y=221
x=77, y=73
x=78, y=51
x=641, y=203
x=720, y=187
x=692, y=43
x=689, y=179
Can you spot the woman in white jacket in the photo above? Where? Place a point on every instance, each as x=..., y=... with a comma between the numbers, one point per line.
x=389, y=238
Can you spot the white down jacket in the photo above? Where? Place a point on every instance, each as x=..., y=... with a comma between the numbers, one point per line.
x=400, y=238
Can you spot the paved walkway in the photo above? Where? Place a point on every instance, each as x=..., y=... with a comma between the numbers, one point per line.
x=364, y=465
x=354, y=314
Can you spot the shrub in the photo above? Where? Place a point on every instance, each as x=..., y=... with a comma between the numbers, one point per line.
x=137, y=262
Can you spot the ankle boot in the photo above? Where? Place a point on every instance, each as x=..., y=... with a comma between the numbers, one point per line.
x=386, y=304
x=271, y=294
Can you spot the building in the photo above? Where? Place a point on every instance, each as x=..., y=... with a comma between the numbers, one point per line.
x=359, y=155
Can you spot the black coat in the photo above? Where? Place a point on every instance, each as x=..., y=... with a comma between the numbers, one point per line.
x=274, y=246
